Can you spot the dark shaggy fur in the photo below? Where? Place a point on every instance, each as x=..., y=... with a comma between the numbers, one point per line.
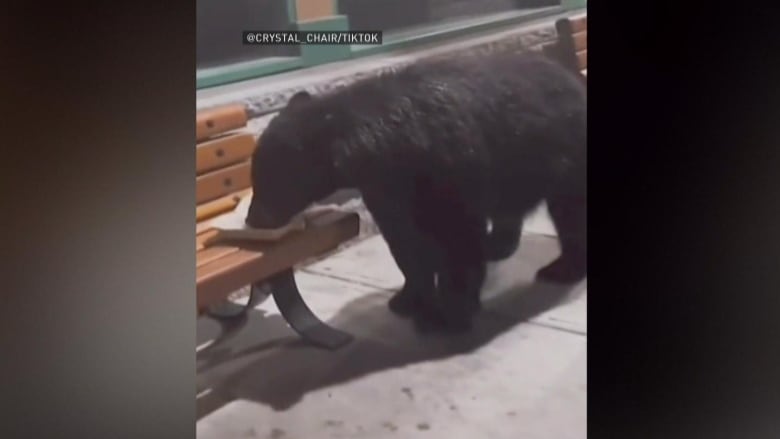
x=440, y=150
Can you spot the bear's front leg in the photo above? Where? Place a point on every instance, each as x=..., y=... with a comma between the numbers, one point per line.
x=503, y=239
x=411, y=250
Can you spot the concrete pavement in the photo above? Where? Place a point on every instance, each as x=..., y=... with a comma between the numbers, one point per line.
x=520, y=374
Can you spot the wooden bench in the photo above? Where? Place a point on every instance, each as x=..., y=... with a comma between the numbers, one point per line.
x=571, y=46
x=223, y=155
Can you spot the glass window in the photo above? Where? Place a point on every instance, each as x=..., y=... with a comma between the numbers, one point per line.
x=390, y=15
x=219, y=27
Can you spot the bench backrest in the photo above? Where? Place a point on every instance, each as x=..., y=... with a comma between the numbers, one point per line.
x=222, y=163
x=571, y=47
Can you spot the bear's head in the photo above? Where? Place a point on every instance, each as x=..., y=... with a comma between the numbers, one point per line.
x=291, y=166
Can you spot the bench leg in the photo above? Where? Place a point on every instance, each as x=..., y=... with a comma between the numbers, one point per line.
x=229, y=310
x=302, y=320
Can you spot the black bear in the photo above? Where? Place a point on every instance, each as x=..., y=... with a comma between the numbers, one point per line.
x=449, y=154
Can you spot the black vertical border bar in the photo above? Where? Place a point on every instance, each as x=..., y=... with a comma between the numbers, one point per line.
x=98, y=309
x=683, y=166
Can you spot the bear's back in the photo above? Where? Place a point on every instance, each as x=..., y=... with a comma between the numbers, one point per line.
x=503, y=120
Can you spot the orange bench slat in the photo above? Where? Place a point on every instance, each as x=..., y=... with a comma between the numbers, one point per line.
x=223, y=151
x=582, y=59
x=580, y=41
x=219, y=120
x=222, y=182
x=221, y=205
x=579, y=24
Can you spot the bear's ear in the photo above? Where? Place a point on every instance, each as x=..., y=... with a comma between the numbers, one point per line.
x=298, y=98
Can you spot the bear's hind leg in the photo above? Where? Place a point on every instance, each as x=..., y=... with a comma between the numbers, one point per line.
x=460, y=276
x=569, y=215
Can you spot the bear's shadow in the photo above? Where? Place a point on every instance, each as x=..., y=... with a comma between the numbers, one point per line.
x=260, y=359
